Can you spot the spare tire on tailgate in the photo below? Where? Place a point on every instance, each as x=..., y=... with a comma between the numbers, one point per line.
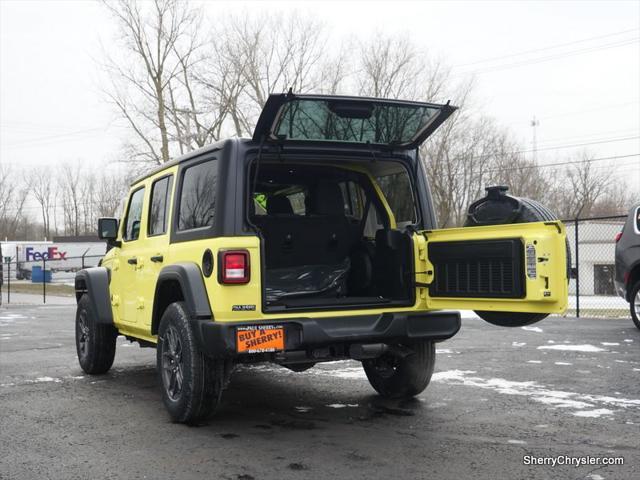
x=498, y=208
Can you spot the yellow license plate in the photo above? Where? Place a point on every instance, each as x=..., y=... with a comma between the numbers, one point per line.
x=259, y=338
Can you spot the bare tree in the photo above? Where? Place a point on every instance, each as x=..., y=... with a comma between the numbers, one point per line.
x=110, y=192
x=70, y=193
x=43, y=190
x=257, y=56
x=153, y=34
x=13, y=196
x=585, y=185
x=393, y=67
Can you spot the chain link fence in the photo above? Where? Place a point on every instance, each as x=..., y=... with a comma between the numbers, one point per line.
x=591, y=288
x=42, y=276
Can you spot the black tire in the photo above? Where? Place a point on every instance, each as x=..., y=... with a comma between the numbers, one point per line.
x=95, y=342
x=634, y=304
x=396, y=377
x=532, y=211
x=191, y=383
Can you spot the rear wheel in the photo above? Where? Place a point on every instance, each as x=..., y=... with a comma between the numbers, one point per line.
x=95, y=342
x=393, y=376
x=635, y=304
x=191, y=383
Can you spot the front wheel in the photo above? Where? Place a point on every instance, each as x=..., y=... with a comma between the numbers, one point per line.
x=95, y=342
x=634, y=302
x=191, y=382
x=393, y=376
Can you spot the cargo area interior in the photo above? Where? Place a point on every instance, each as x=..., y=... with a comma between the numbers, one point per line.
x=327, y=238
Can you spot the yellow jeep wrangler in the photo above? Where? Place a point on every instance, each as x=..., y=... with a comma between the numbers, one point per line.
x=311, y=242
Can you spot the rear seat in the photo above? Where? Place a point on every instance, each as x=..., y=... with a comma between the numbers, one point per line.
x=322, y=237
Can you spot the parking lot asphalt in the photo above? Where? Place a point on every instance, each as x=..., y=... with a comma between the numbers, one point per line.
x=564, y=387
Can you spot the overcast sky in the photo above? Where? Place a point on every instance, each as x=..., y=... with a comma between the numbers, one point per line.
x=574, y=65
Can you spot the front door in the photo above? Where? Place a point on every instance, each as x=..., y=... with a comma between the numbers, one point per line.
x=127, y=301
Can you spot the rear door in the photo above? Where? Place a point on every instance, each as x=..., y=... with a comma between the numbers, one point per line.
x=511, y=268
x=355, y=121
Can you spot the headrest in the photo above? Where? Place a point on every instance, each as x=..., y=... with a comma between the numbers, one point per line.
x=329, y=199
x=279, y=206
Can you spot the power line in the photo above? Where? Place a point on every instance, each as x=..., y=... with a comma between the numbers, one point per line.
x=551, y=57
x=560, y=164
x=577, y=112
x=590, y=136
x=48, y=139
x=550, y=47
x=557, y=147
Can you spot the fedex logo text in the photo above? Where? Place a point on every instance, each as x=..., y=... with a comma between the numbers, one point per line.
x=51, y=253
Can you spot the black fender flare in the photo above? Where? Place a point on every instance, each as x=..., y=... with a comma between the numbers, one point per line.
x=94, y=282
x=189, y=276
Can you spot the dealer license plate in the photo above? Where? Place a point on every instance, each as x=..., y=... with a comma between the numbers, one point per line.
x=259, y=338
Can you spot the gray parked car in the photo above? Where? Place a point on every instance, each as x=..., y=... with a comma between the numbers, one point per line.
x=628, y=263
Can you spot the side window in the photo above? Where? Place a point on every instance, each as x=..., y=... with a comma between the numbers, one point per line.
x=353, y=197
x=159, y=205
x=398, y=192
x=197, y=205
x=292, y=200
x=134, y=216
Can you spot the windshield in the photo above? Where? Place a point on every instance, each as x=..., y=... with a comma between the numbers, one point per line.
x=353, y=121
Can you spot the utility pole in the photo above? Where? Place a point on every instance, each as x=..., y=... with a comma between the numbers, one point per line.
x=534, y=124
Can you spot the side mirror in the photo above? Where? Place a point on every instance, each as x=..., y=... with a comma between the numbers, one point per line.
x=107, y=228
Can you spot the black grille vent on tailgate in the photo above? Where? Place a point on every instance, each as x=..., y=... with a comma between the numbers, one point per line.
x=478, y=268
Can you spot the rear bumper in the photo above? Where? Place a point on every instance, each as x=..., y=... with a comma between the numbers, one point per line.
x=218, y=339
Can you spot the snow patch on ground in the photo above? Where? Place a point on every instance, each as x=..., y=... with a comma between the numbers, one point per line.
x=597, y=413
x=342, y=405
x=628, y=340
x=563, y=363
x=11, y=316
x=610, y=344
x=47, y=379
x=532, y=329
x=573, y=348
x=518, y=344
x=303, y=409
x=517, y=442
x=535, y=391
x=534, y=361
x=444, y=350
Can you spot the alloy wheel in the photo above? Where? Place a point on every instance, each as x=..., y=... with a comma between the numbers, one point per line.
x=83, y=333
x=172, y=364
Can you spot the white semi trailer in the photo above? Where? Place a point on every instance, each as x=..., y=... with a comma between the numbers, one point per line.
x=55, y=256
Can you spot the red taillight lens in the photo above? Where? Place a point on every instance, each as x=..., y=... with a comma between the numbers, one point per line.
x=618, y=236
x=234, y=267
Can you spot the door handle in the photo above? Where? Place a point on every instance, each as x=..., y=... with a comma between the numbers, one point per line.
x=132, y=261
x=157, y=258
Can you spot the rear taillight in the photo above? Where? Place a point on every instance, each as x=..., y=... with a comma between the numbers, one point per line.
x=618, y=236
x=234, y=267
